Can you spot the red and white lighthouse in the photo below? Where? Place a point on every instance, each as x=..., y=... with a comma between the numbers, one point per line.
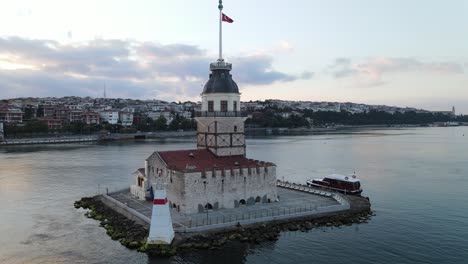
x=161, y=231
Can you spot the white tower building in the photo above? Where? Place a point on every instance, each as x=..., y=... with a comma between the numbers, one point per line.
x=161, y=231
x=220, y=125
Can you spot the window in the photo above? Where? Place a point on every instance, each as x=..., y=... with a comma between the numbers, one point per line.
x=224, y=106
x=140, y=182
x=235, y=128
x=210, y=106
x=234, y=108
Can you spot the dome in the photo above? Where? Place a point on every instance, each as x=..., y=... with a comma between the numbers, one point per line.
x=220, y=82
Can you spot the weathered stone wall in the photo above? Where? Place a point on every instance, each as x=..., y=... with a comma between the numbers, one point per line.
x=191, y=192
x=176, y=191
x=157, y=172
x=229, y=190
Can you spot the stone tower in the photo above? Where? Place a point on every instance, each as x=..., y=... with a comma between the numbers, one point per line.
x=220, y=124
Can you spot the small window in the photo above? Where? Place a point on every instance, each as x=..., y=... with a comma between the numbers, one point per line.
x=235, y=128
x=140, y=182
x=234, y=108
x=210, y=106
x=224, y=106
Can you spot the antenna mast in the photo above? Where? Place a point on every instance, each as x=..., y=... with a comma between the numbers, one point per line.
x=220, y=7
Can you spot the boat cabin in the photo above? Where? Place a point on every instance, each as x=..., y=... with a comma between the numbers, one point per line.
x=337, y=182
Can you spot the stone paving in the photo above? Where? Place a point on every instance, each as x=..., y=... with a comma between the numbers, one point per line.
x=291, y=202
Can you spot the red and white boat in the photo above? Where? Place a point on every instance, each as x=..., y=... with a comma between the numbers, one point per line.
x=338, y=182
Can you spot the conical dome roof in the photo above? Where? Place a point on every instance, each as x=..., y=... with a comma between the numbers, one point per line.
x=220, y=80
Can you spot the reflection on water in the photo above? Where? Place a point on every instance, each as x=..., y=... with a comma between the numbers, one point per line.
x=416, y=179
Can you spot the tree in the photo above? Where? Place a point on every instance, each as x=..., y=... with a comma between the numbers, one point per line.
x=28, y=113
x=160, y=124
x=40, y=111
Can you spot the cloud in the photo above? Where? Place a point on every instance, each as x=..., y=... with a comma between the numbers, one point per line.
x=34, y=67
x=258, y=70
x=284, y=46
x=342, y=68
x=307, y=75
x=371, y=71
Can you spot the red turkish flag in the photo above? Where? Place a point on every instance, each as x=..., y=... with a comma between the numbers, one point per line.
x=226, y=18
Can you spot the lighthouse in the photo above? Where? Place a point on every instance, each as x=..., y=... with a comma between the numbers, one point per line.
x=161, y=230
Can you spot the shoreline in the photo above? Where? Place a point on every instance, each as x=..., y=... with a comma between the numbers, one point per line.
x=66, y=139
x=77, y=138
x=133, y=234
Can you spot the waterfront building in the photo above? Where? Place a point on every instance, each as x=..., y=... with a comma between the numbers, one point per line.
x=48, y=110
x=126, y=118
x=128, y=109
x=217, y=174
x=62, y=114
x=52, y=123
x=451, y=113
x=11, y=115
x=155, y=115
x=90, y=118
x=75, y=116
x=73, y=106
x=109, y=116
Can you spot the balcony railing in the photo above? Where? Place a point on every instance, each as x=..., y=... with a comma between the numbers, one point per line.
x=220, y=114
x=220, y=65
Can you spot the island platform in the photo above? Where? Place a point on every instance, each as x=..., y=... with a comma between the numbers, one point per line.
x=300, y=208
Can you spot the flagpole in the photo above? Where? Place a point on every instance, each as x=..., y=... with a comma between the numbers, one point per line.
x=220, y=7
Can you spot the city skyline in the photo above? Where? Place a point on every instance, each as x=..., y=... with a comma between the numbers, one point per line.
x=392, y=53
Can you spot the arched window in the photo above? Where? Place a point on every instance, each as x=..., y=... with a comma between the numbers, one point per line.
x=208, y=206
x=242, y=202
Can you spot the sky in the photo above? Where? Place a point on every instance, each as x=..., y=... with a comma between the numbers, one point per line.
x=400, y=53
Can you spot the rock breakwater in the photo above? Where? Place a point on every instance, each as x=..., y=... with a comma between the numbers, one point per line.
x=133, y=235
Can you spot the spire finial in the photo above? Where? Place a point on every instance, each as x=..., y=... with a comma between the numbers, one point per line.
x=220, y=7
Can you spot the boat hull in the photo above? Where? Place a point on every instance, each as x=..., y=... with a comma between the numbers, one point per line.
x=355, y=192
